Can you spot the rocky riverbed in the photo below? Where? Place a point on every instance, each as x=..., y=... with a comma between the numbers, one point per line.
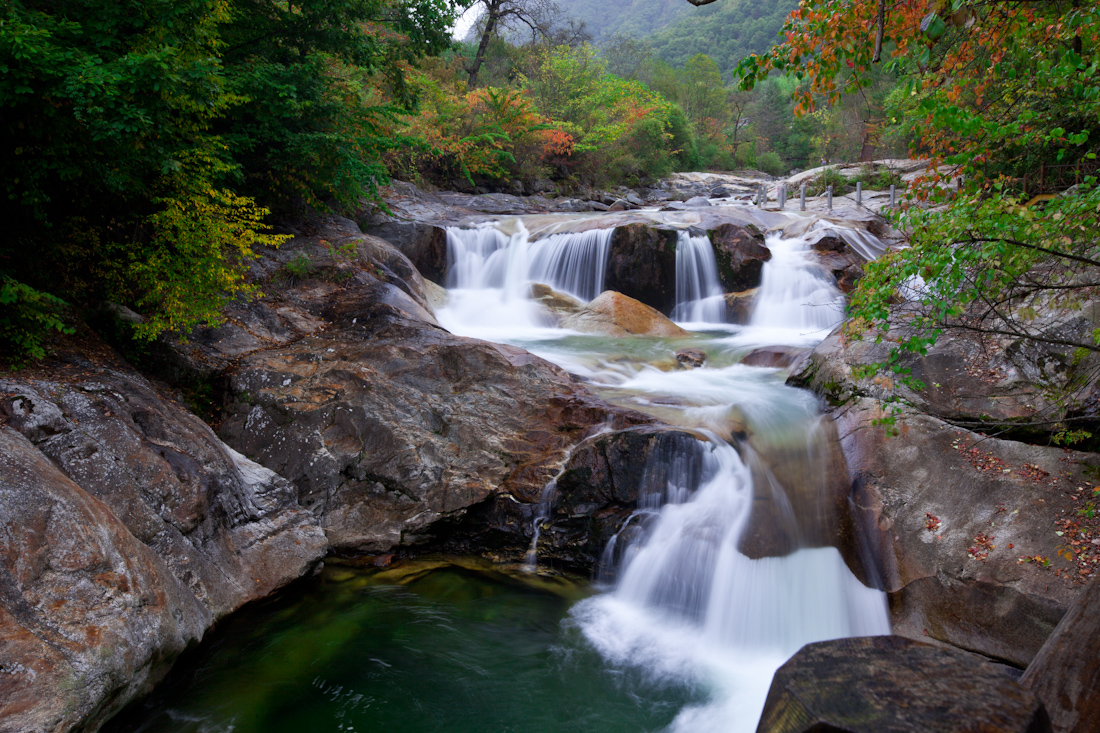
x=344, y=419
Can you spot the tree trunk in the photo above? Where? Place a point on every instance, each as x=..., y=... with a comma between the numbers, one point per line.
x=492, y=11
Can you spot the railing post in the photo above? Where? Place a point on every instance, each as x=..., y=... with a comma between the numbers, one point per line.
x=802, y=197
x=859, y=193
x=893, y=195
x=829, y=198
x=782, y=196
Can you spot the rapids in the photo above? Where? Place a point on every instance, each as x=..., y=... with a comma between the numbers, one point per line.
x=682, y=603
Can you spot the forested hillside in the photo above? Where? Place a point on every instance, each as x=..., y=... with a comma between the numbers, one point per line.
x=637, y=18
x=727, y=31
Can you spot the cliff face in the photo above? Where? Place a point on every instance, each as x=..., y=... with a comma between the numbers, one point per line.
x=126, y=529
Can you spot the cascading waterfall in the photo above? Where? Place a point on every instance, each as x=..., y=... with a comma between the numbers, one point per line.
x=700, y=297
x=687, y=605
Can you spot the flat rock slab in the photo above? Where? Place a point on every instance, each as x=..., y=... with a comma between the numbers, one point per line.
x=888, y=684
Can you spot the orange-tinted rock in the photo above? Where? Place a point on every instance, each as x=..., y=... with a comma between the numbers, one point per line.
x=615, y=314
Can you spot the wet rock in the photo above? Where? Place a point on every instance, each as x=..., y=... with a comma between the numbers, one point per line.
x=603, y=481
x=740, y=254
x=126, y=530
x=839, y=259
x=641, y=264
x=1065, y=674
x=962, y=528
x=741, y=305
x=695, y=201
x=776, y=357
x=619, y=205
x=615, y=314
x=424, y=244
x=691, y=358
x=887, y=684
x=561, y=304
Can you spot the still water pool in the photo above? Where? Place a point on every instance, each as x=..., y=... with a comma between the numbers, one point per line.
x=424, y=647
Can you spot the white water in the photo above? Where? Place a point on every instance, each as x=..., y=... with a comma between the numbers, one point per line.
x=688, y=607
x=699, y=295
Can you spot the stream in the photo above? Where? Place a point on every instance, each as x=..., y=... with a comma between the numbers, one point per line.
x=682, y=628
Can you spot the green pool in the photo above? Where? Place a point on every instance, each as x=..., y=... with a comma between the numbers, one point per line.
x=431, y=646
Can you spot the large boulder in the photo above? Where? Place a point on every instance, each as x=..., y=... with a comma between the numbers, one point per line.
x=384, y=422
x=641, y=264
x=740, y=253
x=887, y=684
x=126, y=530
x=973, y=537
x=591, y=501
x=1065, y=674
x=615, y=314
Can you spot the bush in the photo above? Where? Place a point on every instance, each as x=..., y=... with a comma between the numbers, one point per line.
x=770, y=162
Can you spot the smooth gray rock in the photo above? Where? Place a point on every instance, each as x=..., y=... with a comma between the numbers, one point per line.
x=887, y=684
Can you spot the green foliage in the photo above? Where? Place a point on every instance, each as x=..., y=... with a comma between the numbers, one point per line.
x=148, y=139
x=770, y=162
x=27, y=317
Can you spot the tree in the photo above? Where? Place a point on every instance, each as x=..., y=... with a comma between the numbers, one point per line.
x=149, y=138
x=498, y=15
x=996, y=88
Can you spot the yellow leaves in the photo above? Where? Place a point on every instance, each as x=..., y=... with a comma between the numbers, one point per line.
x=196, y=260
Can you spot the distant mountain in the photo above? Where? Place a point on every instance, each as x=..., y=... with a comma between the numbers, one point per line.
x=727, y=31
x=638, y=18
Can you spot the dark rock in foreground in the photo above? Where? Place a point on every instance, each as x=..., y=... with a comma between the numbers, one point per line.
x=1065, y=674
x=887, y=684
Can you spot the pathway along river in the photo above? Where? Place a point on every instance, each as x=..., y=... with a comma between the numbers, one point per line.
x=684, y=631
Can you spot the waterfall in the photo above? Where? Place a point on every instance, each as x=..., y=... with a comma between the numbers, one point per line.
x=796, y=297
x=486, y=258
x=700, y=297
x=689, y=605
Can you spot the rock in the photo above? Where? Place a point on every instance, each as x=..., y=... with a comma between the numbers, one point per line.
x=719, y=192
x=619, y=205
x=560, y=304
x=839, y=259
x=635, y=199
x=598, y=206
x=741, y=305
x=641, y=264
x=691, y=358
x=962, y=528
x=776, y=357
x=695, y=201
x=126, y=530
x=740, y=254
x=1065, y=674
x=984, y=382
x=615, y=314
x=597, y=491
x=886, y=684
